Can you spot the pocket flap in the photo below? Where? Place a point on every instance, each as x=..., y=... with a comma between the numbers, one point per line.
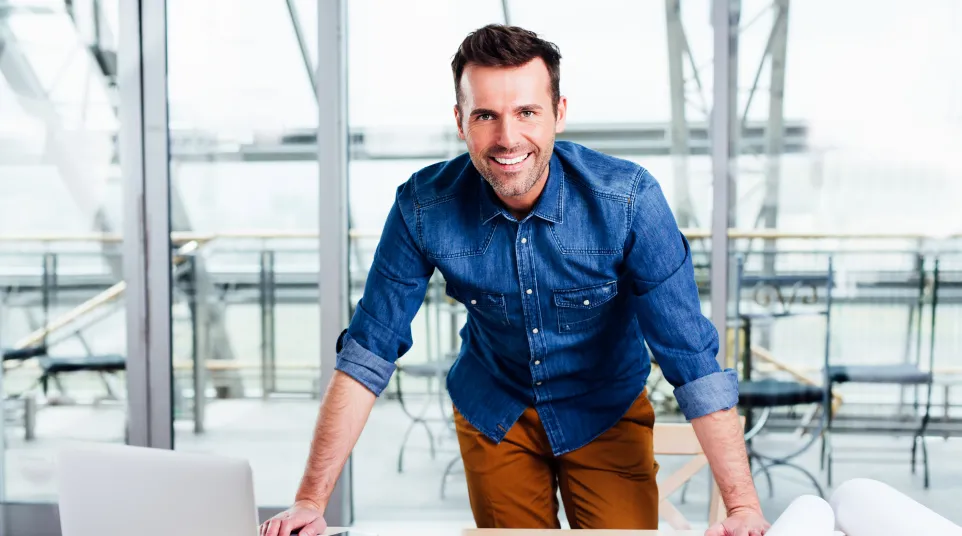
x=475, y=298
x=587, y=297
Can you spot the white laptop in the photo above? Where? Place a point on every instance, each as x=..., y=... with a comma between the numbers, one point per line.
x=117, y=490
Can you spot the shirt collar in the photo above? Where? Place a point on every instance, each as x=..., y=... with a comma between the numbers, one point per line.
x=550, y=205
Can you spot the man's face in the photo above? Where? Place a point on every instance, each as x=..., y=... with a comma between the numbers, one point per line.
x=507, y=119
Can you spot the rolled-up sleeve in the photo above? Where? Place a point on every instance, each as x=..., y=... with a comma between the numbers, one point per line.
x=682, y=339
x=380, y=330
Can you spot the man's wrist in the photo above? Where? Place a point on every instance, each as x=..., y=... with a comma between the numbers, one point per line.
x=306, y=502
x=754, y=508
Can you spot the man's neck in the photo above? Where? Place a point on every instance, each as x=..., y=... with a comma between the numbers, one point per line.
x=522, y=205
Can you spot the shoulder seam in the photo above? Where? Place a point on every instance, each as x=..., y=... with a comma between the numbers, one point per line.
x=635, y=181
x=418, y=237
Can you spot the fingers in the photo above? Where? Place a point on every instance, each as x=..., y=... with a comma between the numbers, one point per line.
x=277, y=527
x=315, y=528
x=717, y=530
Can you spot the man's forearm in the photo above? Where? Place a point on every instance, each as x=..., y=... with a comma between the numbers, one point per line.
x=343, y=413
x=722, y=437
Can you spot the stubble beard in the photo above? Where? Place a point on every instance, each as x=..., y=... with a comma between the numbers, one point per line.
x=513, y=185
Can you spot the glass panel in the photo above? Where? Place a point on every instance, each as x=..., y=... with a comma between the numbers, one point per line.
x=60, y=260
x=615, y=73
x=849, y=154
x=245, y=303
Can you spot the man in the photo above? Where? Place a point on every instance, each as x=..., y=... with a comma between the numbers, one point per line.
x=568, y=262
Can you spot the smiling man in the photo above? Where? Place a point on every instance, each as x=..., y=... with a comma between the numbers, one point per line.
x=568, y=262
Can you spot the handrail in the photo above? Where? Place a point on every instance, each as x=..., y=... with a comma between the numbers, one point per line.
x=179, y=237
x=104, y=297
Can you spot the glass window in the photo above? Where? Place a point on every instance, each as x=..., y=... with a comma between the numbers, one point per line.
x=61, y=297
x=244, y=184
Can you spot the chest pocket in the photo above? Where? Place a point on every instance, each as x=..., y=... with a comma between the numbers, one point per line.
x=489, y=306
x=579, y=308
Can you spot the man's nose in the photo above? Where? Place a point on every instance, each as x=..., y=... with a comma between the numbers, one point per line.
x=508, y=135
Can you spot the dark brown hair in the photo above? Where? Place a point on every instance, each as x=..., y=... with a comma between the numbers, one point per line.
x=497, y=45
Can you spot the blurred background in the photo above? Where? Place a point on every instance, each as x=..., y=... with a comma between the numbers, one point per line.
x=843, y=305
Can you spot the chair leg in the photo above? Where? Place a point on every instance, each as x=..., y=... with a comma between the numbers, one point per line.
x=447, y=473
x=821, y=460
x=762, y=468
x=925, y=462
x=828, y=463
x=915, y=448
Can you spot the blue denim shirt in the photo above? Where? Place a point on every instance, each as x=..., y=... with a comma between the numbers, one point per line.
x=560, y=304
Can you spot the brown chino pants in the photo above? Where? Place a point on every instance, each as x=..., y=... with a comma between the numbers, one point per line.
x=607, y=484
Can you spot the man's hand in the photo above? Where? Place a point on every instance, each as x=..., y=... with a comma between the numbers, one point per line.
x=304, y=516
x=747, y=522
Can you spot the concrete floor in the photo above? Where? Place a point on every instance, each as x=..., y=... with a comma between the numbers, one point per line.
x=274, y=436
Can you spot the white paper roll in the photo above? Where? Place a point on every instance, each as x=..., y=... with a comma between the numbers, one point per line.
x=865, y=507
x=807, y=515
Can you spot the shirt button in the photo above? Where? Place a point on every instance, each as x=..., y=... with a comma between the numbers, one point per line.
x=539, y=383
x=474, y=302
x=524, y=240
x=537, y=362
x=535, y=330
x=587, y=302
x=528, y=291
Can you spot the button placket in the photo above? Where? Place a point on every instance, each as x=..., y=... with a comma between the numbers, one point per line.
x=530, y=308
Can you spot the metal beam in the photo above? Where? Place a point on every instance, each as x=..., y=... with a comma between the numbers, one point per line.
x=157, y=220
x=775, y=140
x=734, y=127
x=332, y=156
x=438, y=143
x=131, y=149
x=724, y=22
x=302, y=44
x=679, y=124
x=146, y=237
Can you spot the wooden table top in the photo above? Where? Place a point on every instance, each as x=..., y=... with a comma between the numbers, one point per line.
x=333, y=531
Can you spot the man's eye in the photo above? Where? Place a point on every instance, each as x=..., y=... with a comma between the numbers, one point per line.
x=527, y=113
x=485, y=117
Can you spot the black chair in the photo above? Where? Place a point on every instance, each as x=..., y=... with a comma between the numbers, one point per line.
x=907, y=374
x=776, y=297
x=53, y=367
x=24, y=354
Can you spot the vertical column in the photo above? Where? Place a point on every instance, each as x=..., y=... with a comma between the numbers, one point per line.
x=157, y=219
x=331, y=91
x=142, y=73
x=721, y=172
x=130, y=84
x=3, y=423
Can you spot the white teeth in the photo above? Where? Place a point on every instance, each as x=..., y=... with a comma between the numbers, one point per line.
x=510, y=161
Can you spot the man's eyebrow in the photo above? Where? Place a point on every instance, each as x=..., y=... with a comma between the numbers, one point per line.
x=523, y=107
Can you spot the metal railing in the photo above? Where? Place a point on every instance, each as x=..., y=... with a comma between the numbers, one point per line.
x=268, y=278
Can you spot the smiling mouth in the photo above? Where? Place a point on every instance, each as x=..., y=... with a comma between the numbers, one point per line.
x=510, y=163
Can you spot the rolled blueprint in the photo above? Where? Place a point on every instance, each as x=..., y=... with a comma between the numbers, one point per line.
x=807, y=515
x=865, y=507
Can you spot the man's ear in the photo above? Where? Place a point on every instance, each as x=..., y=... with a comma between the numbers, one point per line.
x=561, y=116
x=457, y=118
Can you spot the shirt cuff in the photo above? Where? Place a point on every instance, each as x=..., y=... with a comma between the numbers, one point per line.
x=364, y=366
x=715, y=392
